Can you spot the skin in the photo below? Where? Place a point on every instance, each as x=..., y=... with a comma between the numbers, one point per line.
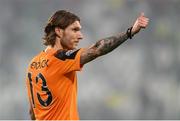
x=108, y=44
x=69, y=38
x=31, y=112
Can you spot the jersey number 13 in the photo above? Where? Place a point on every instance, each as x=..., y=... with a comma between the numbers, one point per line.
x=44, y=88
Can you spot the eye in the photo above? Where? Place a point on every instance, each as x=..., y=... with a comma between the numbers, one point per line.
x=76, y=29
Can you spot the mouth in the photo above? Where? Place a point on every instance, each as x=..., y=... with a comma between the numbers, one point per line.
x=76, y=42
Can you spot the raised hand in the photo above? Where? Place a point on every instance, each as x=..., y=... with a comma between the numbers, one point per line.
x=141, y=23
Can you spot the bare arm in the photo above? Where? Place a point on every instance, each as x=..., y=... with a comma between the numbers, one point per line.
x=106, y=45
x=102, y=47
x=31, y=112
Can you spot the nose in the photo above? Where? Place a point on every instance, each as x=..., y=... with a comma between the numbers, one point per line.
x=80, y=35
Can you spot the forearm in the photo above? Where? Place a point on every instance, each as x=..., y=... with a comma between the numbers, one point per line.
x=103, y=47
x=108, y=44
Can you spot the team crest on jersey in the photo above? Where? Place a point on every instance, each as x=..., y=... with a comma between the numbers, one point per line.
x=69, y=52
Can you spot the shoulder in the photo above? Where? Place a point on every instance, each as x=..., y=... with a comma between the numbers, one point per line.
x=66, y=54
x=36, y=57
x=39, y=61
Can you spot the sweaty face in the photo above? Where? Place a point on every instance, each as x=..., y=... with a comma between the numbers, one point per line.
x=71, y=36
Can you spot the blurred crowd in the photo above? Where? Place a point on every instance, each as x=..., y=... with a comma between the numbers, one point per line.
x=139, y=80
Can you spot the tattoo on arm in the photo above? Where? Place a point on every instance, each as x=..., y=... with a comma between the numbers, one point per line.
x=102, y=47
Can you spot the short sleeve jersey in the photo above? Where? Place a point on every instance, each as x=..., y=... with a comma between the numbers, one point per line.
x=52, y=84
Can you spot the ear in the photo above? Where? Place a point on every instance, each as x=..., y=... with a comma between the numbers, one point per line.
x=59, y=32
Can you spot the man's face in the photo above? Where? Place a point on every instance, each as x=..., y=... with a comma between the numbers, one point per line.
x=71, y=36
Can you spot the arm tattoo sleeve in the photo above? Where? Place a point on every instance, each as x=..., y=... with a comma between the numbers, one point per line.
x=103, y=47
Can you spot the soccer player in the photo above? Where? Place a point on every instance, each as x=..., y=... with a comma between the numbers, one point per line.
x=51, y=75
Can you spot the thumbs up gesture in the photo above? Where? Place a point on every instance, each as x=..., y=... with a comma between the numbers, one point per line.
x=140, y=23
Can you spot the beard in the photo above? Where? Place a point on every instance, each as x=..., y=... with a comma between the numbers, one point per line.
x=68, y=44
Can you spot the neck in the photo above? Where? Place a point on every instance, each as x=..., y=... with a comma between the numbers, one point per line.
x=57, y=45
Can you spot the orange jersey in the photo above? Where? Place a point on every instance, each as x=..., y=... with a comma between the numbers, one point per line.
x=52, y=84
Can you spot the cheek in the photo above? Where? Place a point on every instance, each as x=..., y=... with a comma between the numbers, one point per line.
x=70, y=37
x=68, y=41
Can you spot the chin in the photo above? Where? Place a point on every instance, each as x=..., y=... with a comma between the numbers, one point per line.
x=72, y=48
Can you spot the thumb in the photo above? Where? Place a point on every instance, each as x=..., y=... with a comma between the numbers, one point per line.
x=142, y=14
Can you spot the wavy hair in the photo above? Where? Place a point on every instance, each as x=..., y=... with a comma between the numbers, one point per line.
x=61, y=19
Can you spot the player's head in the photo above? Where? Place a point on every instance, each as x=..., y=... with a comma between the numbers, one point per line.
x=64, y=25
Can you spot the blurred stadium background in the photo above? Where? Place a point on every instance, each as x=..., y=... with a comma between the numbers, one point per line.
x=139, y=80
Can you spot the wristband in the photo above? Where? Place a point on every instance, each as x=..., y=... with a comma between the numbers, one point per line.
x=129, y=33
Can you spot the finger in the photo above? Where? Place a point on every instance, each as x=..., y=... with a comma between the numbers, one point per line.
x=143, y=23
x=143, y=20
x=143, y=26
